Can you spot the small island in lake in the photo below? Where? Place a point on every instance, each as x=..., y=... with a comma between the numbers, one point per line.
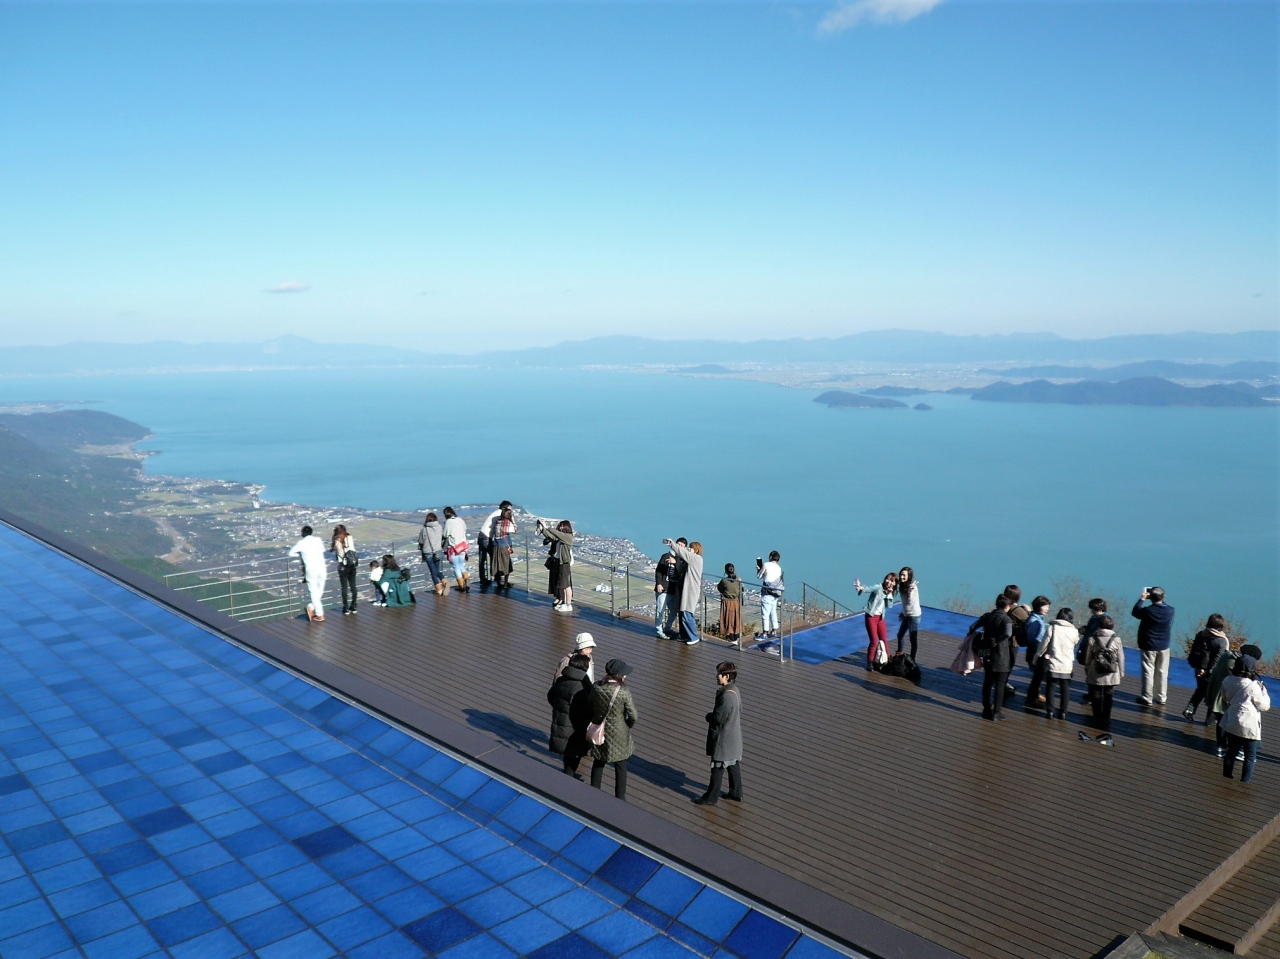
x=840, y=400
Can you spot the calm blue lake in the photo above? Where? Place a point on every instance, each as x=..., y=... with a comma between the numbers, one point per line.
x=973, y=495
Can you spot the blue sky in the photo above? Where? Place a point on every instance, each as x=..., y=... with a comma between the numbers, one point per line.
x=472, y=175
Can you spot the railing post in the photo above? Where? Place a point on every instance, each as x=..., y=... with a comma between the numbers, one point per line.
x=804, y=601
x=231, y=595
x=526, y=563
x=628, y=585
x=613, y=586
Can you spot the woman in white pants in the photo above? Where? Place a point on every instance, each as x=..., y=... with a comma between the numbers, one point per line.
x=310, y=549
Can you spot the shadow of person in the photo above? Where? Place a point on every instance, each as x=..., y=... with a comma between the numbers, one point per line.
x=510, y=731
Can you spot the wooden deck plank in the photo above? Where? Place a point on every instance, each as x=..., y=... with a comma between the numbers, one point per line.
x=901, y=801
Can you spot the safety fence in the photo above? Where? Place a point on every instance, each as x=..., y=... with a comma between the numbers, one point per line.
x=622, y=586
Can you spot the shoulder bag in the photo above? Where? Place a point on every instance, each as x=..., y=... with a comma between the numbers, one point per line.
x=595, y=731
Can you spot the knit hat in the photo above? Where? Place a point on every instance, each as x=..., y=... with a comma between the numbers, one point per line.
x=583, y=641
x=617, y=667
x=1250, y=663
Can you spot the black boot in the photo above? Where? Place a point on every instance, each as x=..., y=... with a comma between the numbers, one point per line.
x=735, y=783
x=712, y=795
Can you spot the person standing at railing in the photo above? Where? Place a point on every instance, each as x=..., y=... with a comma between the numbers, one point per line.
x=344, y=551
x=771, y=589
x=559, y=563
x=878, y=604
x=501, y=548
x=431, y=546
x=310, y=549
x=484, y=544
x=666, y=592
x=690, y=589
x=730, y=590
x=456, y=546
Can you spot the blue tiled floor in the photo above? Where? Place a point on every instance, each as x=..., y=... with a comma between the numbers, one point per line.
x=163, y=792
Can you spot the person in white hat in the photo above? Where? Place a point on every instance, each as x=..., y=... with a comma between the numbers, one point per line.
x=585, y=644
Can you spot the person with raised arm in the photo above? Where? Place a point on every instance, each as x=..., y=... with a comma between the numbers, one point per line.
x=1155, y=633
x=559, y=562
x=874, y=612
x=909, y=618
x=690, y=589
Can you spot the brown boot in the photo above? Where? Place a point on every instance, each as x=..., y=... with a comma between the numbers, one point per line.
x=441, y=587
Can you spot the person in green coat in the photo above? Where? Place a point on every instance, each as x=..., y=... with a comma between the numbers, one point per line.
x=395, y=583
x=613, y=707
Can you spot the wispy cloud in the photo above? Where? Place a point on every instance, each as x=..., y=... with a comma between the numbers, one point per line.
x=848, y=14
x=289, y=286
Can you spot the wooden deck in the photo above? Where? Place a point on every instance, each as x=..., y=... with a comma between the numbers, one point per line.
x=994, y=840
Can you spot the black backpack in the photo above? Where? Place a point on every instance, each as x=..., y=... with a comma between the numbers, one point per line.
x=903, y=666
x=1019, y=629
x=1104, y=659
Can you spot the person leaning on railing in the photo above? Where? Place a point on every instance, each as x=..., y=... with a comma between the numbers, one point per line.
x=431, y=546
x=310, y=549
x=343, y=547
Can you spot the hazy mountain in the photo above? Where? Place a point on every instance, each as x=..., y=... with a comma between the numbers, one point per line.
x=1245, y=370
x=899, y=346
x=1145, y=391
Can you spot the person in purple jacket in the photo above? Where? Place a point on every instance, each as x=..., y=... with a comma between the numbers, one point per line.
x=1155, y=631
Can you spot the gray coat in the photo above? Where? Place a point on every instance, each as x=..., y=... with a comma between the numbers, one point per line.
x=724, y=732
x=691, y=589
x=1102, y=639
x=618, y=720
x=429, y=538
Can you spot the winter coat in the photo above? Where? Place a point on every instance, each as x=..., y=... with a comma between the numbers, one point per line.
x=666, y=576
x=395, y=586
x=1247, y=699
x=1037, y=635
x=1208, y=645
x=1221, y=670
x=431, y=539
x=724, y=727
x=618, y=720
x=1155, y=626
x=691, y=588
x=1058, y=651
x=1000, y=651
x=1103, y=639
x=561, y=544
x=730, y=588
x=570, y=701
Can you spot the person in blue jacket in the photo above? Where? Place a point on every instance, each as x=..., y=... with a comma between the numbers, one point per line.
x=1155, y=632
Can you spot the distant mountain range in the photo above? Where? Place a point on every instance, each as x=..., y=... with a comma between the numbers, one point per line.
x=896, y=346
x=1244, y=370
x=1144, y=391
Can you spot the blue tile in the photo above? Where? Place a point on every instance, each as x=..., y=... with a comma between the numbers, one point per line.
x=759, y=936
x=646, y=913
x=577, y=908
x=440, y=930
x=379, y=883
x=249, y=841
x=298, y=881
x=590, y=850
x=269, y=926
x=694, y=940
x=218, y=944
x=713, y=914
x=66, y=875
x=96, y=923
x=394, y=945
x=47, y=940
x=27, y=916
x=570, y=947
x=474, y=844
x=617, y=932
x=626, y=869
x=483, y=946
x=351, y=862
x=325, y=904
x=659, y=947
x=144, y=877
x=77, y=899
x=458, y=884
x=303, y=945
x=428, y=863
x=493, y=906
x=555, y=831
x=326, y=841
x=162, y=821
x=669, y=891
x=529, y=931
x=506, y=864
x=36, y=836
x=163, y=899
x=541, y=885
x=221, y=763
x=220, y=879
x=408, y=905
x=184, y=924
x=124, y=857
x=354, y=928
x=243, y=902
x=806, y=948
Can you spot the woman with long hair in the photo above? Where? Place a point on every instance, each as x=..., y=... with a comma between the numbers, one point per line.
x=501, y=548
x=456, y=546
x=344, y=551
x=878, y=604
x=559, y=563
x=394, y=583
x=909, y=618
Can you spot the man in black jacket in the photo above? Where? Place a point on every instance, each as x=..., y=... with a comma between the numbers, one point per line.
x=999, y=652
x=1155, y=633
x=666, y=591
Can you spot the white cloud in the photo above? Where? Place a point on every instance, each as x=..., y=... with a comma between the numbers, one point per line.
x=850, y=13
x=289, y=286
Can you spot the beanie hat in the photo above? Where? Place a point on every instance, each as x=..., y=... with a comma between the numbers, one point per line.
x=617, y=667
x=583, y=641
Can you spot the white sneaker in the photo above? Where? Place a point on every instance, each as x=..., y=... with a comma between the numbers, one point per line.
x=564, y=608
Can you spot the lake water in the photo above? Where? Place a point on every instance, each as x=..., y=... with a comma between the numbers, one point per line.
x=973, y=495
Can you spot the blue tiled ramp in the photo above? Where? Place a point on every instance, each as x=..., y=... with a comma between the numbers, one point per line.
x=163, y=792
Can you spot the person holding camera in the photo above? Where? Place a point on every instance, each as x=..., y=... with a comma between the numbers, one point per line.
x=559, y=562
x=690, y=556
x=771, y=590
x=1155, y=632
